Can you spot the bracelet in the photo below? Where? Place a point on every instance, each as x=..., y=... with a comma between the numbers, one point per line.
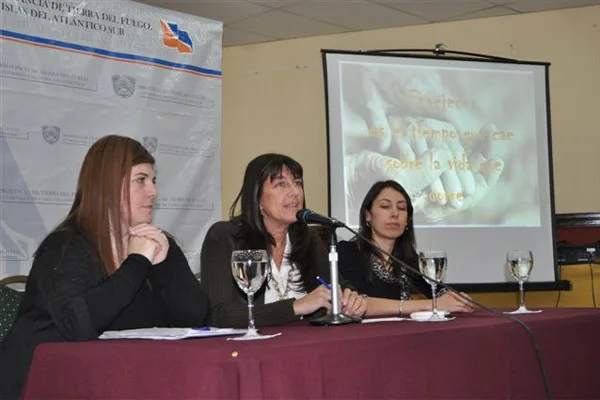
x=401, y=311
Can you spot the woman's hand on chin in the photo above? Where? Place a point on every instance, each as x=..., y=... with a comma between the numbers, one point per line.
x=142, y=245
x=155, y=234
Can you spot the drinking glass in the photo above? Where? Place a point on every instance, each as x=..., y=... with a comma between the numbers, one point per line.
x=432, y=264
x=519, y=264
x=250, y=269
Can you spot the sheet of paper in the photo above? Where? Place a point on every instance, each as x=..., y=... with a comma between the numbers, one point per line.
x=170, y=333
x=388, y=319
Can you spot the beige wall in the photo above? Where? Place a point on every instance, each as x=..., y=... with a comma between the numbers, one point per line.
x=273, y=98
x=273, y=94
x=580, y=294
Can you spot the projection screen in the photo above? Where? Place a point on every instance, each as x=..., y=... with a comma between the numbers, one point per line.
x=469, y=140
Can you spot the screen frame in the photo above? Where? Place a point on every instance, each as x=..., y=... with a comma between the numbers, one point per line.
x=557, y=284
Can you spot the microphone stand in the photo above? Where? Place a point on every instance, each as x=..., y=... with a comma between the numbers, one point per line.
x=336, y=317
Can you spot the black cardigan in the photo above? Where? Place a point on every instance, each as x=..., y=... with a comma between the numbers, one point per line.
x=229, y=303
x=69, y=297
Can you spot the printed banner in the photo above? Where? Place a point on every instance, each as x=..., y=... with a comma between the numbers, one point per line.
x=71, y=73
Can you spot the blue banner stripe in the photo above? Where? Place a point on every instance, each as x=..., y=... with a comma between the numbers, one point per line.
x=124, y=56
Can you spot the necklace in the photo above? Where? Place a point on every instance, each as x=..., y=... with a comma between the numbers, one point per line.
x=382, y=273
x=280, y=295
x=388, y=276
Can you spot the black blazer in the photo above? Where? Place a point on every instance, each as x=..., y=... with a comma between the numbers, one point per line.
x=229, y=303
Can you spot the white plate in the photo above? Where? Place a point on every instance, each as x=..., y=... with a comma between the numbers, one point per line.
x=424, y=316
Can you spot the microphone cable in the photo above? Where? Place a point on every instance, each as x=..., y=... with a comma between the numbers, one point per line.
x=591, y=253
x=592, y=281
x=559, y=293
x=488, y=309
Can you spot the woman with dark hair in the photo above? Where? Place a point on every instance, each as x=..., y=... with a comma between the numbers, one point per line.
x=271, y=195
x=385, y=217
x=105, y=267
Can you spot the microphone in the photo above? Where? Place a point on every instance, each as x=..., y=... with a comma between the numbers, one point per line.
x=307, y=216
x=336, y=317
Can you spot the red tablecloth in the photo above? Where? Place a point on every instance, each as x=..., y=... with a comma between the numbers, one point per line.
x=476, y=356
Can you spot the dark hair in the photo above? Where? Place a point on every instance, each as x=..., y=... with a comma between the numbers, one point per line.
x=404, y=246
x=250, y=220
x=103, y=176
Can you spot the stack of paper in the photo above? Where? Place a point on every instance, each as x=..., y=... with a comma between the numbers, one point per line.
x=170, y=333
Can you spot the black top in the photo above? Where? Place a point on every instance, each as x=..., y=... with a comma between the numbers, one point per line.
x=353, y=267
x=229, y=303
x=69, y=297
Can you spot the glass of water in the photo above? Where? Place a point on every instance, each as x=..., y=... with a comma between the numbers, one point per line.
x=432, y=264
x=519, y=264
x=250, y=269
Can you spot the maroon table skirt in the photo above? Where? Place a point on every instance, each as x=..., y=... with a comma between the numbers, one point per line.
x=475, y=356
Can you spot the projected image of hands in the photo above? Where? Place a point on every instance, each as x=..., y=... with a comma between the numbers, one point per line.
x=462, y=143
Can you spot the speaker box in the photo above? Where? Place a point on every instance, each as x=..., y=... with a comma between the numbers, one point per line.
x=569, y=253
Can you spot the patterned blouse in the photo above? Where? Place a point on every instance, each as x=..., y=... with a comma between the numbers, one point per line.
x=388, y=276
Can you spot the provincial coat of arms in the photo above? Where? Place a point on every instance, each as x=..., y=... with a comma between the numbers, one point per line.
x=123, y=85
x=150, y=143
x=50, y=133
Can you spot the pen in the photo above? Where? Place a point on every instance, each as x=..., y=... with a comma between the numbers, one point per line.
x=327, y=285
x=201, y=328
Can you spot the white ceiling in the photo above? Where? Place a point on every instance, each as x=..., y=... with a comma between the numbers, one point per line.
x=256, y=21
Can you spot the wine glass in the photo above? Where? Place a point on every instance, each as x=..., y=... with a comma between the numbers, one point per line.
x=250, y=268
x=432, y=264
x=519, y=264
